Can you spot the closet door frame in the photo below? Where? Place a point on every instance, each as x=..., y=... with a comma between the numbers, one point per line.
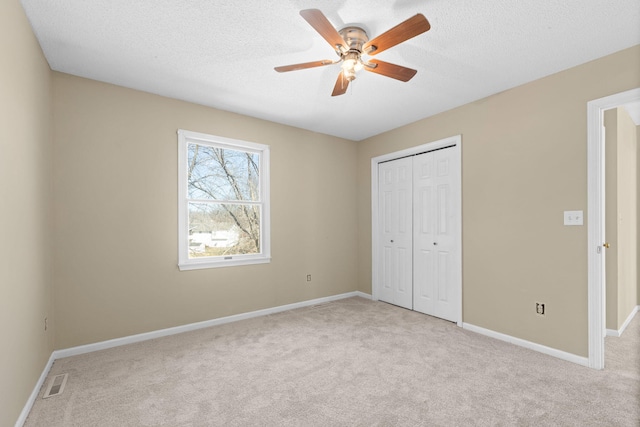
x=456, y=143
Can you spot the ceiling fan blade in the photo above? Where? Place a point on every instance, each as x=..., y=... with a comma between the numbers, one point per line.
x=321, y=24
x=302, y=66
x=341, y=85
x=394, y=71
x=398, y=34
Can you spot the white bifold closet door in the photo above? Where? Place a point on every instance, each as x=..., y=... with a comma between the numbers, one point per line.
x=419, y=238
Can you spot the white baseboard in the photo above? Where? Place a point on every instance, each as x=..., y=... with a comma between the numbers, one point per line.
x=618, y=333
x=82, y=349
x=34, y=394
x=569, y=357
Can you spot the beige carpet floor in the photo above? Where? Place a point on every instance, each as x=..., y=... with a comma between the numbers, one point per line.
x=352, y=362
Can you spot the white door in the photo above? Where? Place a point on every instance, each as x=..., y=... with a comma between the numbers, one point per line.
x=435, y=257
x=395, y=232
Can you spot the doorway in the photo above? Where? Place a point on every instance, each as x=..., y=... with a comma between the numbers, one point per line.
x=416, y=228
x=596, y=223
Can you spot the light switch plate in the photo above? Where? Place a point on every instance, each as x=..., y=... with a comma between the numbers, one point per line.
x=573, y=218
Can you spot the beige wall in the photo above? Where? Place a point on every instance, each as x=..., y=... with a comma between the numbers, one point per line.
x=25, y=226
x=523, y=163
x=621, y=216
x=116, y=215
x=611, y=214
x=627, y=216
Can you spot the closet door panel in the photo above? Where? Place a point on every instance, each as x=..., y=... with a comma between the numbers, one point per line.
x=434, y=275
x=395, y=257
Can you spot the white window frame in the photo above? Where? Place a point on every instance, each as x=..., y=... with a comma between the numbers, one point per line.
x=186, y=137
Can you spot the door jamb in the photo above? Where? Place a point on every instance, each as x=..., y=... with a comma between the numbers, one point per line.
x=456, y=142
x=596, y=220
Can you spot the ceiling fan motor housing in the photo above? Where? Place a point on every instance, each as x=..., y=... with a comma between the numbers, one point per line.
x=355, y=37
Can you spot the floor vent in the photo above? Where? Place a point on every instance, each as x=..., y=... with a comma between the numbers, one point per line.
x=56, y=386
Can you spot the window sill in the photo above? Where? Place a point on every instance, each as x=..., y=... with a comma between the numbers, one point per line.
x=202, y=264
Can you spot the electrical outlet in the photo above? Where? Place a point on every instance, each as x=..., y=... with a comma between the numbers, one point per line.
x=540, y=308
x=46, y=324
x=308, y=277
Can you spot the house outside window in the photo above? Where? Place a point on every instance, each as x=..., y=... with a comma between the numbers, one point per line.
x=223, y=201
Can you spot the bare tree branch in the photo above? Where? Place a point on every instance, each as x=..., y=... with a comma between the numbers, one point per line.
x=209, y=169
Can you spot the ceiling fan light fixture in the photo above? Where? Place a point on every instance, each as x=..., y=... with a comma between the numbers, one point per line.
x=351, y=65
x=349, y=74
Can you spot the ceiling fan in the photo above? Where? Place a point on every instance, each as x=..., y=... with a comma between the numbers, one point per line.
x=351, y=42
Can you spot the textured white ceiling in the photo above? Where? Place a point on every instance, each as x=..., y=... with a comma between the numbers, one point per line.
x=221, y=53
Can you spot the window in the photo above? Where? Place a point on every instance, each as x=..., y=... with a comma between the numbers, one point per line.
x=223, y=201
